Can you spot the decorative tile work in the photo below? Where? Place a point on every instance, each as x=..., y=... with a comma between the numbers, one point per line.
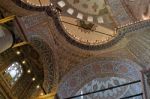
x=46, y=57
x=113, y=72
x=137, y=8
x=36, y=3
x=30, y=21
x=134, y=27
x=27, y=6
x=139, y=47
x=146, y=81
x=38, y=34
x=62, y=30
x=82, y=9
x=119, y=13
x=92, y=7
x=103, y=83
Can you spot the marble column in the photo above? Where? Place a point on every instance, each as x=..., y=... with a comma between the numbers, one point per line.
x=6, y=39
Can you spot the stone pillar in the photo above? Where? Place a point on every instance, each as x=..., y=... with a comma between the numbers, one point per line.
x=6, y=39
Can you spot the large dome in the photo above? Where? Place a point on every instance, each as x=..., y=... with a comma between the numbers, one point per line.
x=87, y=23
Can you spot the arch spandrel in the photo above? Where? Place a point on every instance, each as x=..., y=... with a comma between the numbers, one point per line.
x=46, y=56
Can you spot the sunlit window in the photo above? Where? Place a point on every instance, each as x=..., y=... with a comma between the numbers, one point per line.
x=81, y=94
x=13, y=73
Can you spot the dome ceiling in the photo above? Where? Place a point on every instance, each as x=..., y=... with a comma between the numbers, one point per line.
x=86, y=22
x=90, y=10
x=92, y=7
x=101, y=75
x=87, y=33
x=104, y=83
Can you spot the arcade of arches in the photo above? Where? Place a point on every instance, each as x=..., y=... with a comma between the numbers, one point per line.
x=74, y=49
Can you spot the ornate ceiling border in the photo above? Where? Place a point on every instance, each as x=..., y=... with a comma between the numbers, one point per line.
x=29, y=7
x=80, y=45
x=89, y=71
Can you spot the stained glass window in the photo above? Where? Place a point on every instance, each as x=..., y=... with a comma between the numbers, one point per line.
x=13, y=73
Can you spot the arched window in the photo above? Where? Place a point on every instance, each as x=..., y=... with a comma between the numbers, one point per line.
x=13, y=73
